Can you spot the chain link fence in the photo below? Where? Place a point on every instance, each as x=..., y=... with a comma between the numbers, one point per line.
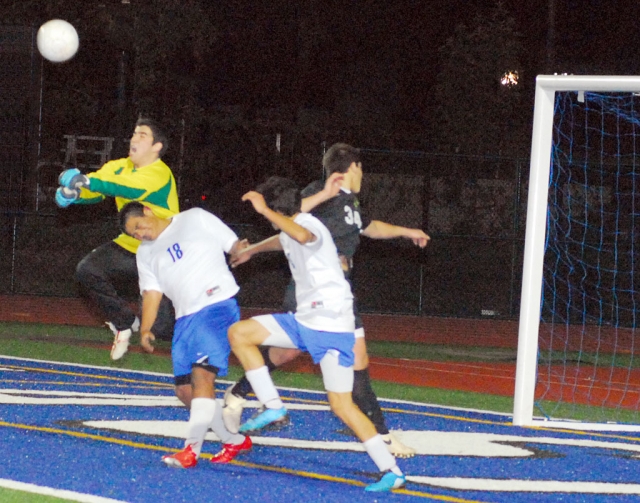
x=471, y=267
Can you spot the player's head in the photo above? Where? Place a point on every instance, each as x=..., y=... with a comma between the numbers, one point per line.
x=281, y=195
x=159, y=135
x=139, y=221
x=343, y=158
x=147, y=143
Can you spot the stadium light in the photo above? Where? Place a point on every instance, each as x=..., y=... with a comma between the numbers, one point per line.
x=509, y=79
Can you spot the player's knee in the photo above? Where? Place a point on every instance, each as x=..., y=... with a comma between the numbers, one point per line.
x=82, y=271
x=237, y=333
x=86, y=271
x=340, y=403
x=280, y=356
x=361, y=357
x=183, y=392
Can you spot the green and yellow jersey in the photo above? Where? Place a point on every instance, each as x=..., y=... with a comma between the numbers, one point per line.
x=153, y=185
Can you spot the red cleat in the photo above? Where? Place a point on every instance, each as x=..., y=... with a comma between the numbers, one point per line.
x=230, y=451
x=186, y=458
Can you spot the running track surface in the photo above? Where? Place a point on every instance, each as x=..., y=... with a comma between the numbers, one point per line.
x=498, y=378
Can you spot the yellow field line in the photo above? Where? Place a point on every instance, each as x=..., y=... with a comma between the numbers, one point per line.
x=320, y=402
x=244, y=464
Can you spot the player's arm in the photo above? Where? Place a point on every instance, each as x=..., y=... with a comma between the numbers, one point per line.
x=382, y=230
x=73, y=189
x=112, y=181
x=150, y=304
x=238, y=246
x=133, y=185
x=266, y=245
x=331, y=189
x=285, y=224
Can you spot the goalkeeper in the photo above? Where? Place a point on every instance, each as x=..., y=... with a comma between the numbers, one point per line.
x=109, y=272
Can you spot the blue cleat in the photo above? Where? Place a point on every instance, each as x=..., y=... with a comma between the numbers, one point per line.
x=387, y=482
x=265, y=418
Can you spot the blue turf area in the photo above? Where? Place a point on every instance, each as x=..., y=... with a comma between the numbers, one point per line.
x=102, y=432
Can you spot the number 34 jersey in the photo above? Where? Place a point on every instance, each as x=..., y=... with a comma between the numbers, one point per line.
x=342, y=215
x=187, y=262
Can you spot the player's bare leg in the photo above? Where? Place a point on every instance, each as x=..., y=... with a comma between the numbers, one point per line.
x=245, y=337
x=365, y=398
x=342, y=406
x=183, y=392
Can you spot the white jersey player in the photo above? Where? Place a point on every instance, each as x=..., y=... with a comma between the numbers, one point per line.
x=324, y=298
x=323, y=324
x=187, y=261
x=183, y=257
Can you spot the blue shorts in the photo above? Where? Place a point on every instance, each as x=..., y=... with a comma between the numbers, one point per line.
x=316, y=342
x=202, y=338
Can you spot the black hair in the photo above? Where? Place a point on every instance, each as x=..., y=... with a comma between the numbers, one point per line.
x=157, y=131
x=339, y=157
x=281, y=195
x=131, y=209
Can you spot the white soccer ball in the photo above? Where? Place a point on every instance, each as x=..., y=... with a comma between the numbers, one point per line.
x=57, y=40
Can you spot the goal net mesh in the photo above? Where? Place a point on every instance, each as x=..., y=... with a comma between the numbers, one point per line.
x=587, y=353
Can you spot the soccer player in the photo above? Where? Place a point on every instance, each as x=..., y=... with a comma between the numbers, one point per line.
x=323, y=323
x=183, y=257
x=335, y=204
x=110, y=270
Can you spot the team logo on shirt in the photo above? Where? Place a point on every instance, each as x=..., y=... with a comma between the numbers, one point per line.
x=317, y=304
x=213, y=290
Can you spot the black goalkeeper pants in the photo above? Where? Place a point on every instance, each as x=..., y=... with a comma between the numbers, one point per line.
x=109, y=276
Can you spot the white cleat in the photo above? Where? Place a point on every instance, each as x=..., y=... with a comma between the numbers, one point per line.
x=120, y=341
x=232, y=410
x=397, y=448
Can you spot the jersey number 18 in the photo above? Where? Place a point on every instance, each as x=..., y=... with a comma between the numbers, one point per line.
x=175, y=252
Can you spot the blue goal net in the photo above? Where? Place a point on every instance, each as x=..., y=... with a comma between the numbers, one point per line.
x=588, y=361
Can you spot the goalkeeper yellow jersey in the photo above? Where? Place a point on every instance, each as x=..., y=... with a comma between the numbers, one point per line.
x=153, y=185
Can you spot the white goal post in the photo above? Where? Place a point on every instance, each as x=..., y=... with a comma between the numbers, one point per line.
x=530, y=309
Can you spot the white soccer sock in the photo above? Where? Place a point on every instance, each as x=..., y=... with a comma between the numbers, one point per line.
x=380, y=455
x=264, y=388
x=218, y=427
x=202, y=413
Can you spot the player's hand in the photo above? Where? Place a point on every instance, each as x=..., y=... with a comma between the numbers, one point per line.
x=66, y=197
x=418, y=237
x=146, y=340
x=333, y=184
x=257, y=200
x=240, y=258
x=238, y=253
x=73, y=179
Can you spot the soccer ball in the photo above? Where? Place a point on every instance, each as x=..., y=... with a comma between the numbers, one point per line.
x=57, y=40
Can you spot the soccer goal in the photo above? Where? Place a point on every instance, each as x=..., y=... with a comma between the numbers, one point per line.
x=578, y=360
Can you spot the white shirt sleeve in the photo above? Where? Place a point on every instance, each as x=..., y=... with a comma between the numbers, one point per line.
x=312, y=228
x=147, y=280
x=225, y=234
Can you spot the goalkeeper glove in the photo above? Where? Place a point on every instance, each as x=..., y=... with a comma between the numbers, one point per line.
x=73, y=179
x=66, y=197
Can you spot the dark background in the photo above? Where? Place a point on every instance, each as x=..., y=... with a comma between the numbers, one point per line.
x=415, y=84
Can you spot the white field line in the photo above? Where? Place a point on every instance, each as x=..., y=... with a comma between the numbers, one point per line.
x=58, y=493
